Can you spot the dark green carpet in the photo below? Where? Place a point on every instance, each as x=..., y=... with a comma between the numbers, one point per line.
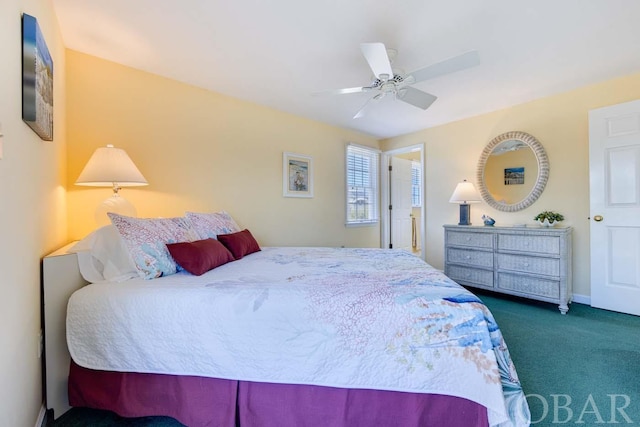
x=578, y=369
x=582, y=368
x=83, y=417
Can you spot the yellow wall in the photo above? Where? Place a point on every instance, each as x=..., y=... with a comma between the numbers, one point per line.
x=202, y=151
x=560, y=123
x=32, y=212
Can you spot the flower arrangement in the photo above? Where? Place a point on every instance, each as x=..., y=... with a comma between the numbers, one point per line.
x=548, y=217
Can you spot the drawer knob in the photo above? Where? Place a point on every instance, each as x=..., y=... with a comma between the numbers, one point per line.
x=526, y=264
x=468, y=256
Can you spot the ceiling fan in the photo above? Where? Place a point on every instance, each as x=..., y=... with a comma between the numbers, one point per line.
x=387, y=81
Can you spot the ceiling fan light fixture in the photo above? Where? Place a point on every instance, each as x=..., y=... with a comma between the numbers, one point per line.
x=395, y=81
x=388, y=87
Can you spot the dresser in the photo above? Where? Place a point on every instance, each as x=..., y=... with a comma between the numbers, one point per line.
x=531, y=262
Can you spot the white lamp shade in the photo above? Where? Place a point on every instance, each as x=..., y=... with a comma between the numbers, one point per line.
x=465, y=193
x=109, y=166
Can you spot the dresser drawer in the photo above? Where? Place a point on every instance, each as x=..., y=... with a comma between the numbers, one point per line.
x=529, y=285
x=470, y=257
x=476, y=240
x=549, y=245
x=470, y=275
x=529, y=264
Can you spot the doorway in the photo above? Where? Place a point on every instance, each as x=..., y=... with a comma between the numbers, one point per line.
x=403, y=220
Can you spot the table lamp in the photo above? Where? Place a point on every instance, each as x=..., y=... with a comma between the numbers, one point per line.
x=464, y=194
x=111, y=167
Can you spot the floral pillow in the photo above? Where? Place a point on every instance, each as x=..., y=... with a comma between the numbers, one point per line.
x=147, y=238
x=209, y=225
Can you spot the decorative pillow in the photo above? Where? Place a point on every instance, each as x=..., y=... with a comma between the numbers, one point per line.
x=104, y=257
x=240, y=244
x=200, y=256
x=147, y=238
x=209, y=225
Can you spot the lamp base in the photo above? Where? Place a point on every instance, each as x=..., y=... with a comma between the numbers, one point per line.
x=465, y=214
x=116, y=204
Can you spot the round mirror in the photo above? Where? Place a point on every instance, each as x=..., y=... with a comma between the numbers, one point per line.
x=512, y=171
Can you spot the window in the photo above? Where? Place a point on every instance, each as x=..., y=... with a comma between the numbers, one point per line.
x=416, y=183
x=362, y=185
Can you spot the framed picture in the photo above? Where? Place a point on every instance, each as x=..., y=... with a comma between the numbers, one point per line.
x=37, y=80
x=297, y=175
x=514, y=176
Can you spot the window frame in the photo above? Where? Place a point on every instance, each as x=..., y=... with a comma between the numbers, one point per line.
x=373, y=155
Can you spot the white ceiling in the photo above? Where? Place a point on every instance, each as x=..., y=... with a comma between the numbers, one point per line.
x=277, y=53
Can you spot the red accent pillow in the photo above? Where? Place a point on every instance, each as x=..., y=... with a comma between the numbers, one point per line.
x=240, y=244
x=200, y=256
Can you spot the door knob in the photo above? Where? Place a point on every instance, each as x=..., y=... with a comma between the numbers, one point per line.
x=598, y=218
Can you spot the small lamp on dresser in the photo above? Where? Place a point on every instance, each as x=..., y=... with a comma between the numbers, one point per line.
x=464, y=194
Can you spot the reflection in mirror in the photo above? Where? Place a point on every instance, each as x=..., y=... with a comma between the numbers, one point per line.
x=512, y=171
x=503, y=177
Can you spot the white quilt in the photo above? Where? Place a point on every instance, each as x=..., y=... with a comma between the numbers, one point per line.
x=352, y=318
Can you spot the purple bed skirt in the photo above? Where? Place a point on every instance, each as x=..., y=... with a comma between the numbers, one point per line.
x=199, y=402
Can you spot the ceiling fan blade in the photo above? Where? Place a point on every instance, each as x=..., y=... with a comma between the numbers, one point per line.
x=416, y=97
x=343, y=91
x=376, y=56
x=366, y=105
x=457, y=63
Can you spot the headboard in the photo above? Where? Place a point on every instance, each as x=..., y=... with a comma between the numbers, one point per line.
x=60, y=278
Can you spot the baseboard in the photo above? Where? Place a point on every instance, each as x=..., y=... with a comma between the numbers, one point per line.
x=582, y=299
x=42, y=417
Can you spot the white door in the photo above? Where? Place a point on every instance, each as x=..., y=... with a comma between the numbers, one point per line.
x=400, y=203
x=614, y=167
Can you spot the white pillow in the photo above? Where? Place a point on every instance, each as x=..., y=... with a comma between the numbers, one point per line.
x=104, y=257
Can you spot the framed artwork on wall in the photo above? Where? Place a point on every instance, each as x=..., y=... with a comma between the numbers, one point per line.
x=37, y=80
x=297, y=175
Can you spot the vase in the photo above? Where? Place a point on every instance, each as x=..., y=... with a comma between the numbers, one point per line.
x=488, y=221
x=546, y=223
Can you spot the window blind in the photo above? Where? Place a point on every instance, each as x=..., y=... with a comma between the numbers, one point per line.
x=362, y=185
x=416, y=183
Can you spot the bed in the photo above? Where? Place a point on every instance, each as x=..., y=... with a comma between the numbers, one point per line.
x=290, y=337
